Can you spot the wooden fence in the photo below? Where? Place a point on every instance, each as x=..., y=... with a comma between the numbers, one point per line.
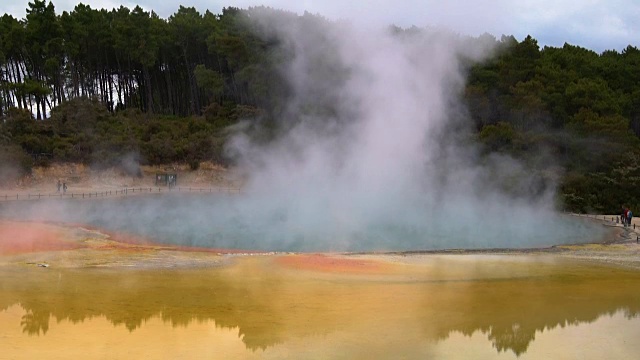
x=115, y=193
x=614, y=219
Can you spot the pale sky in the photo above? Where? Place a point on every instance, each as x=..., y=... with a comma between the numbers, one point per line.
x=595, y=24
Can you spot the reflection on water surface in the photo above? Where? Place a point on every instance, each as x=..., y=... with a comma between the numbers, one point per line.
x=427, y=306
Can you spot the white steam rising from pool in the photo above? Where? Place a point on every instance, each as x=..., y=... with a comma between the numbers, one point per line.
x=387, y=166
x=372, y=153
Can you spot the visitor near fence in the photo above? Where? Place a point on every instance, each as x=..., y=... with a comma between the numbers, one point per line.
x=626, y=216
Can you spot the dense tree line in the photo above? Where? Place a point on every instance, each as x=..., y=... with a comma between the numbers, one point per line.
x=127, y=59
x=93, y=85
x=580, y=107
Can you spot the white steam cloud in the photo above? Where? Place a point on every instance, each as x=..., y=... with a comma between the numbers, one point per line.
x=373, y=153
x=385, y=167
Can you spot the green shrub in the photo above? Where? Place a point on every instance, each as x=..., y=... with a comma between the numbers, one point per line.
x=14, y=163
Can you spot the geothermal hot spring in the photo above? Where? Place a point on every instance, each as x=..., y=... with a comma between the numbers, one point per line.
x=322, y=254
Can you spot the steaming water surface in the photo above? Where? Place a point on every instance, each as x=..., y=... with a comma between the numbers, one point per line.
x=371, y=149
x=250, y=223
x=480, y=307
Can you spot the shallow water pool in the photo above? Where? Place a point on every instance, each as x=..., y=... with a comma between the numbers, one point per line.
x=251, y=223
x=415, y=307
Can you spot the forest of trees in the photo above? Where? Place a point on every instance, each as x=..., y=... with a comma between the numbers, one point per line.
x=127, y=59
x=91, y=85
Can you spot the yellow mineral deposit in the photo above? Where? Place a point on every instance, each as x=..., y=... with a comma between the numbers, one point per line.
x=100, y=299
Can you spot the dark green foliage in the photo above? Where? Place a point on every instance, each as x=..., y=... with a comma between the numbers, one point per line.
x=107, y=85
x=83, y=130
x=571, y=105
x=498, y=137
x=15, y=163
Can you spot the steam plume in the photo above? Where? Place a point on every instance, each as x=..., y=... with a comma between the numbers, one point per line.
x=371, y=153
x=387, y=166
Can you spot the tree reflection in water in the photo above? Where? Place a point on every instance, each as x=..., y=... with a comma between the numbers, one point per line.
x=35, y=321
x=509, y=301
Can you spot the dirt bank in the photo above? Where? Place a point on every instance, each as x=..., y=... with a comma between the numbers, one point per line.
x=74, y=246
x=79, y=178
x=21, y=238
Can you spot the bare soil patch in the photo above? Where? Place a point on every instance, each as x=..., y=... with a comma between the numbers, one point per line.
x=71, y=246
x=20, y=238
x=333, y=263
x=82, y=178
